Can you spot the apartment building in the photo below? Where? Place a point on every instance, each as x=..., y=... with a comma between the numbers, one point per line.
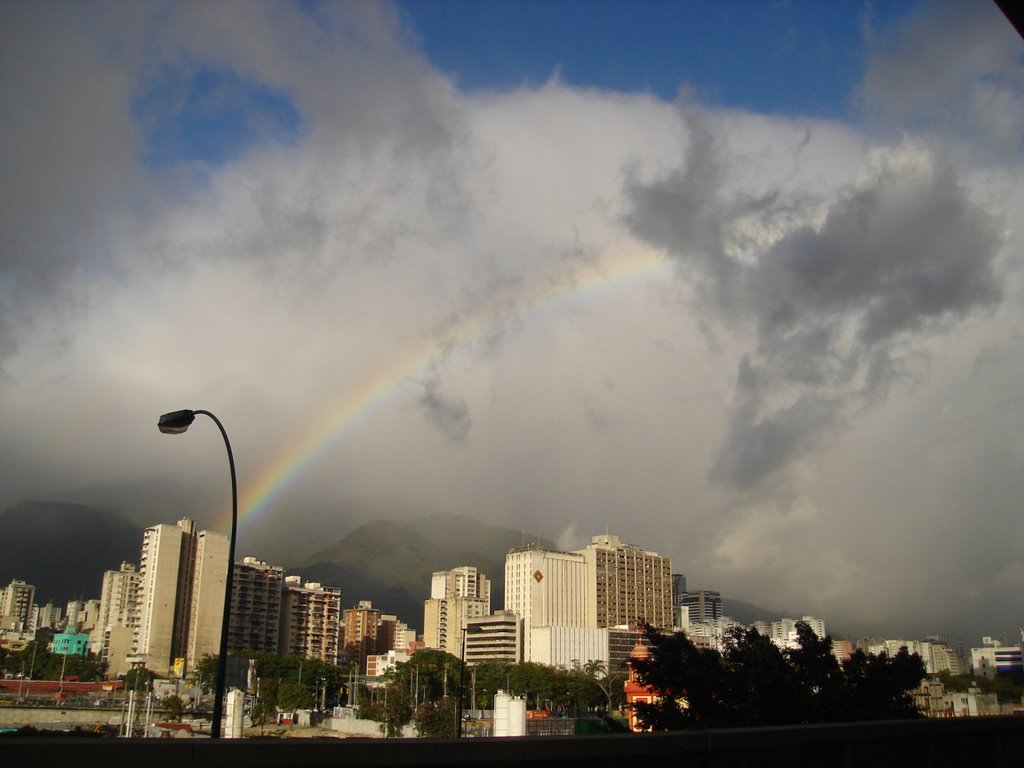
x=255, y=621
x=180, y=597
x=111, y=639
x=455, y=596
x=362, y=628
x=17, y=606
x=310, y=620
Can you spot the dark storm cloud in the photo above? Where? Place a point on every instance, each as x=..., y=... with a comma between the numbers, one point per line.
x=449, y=414
x=835, y=307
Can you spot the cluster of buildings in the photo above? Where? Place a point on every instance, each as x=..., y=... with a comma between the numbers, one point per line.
x=565, y=609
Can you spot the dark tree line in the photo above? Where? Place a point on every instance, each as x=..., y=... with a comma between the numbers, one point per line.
x=752, y=682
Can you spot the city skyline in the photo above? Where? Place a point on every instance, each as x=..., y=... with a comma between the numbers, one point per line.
x=759, y=297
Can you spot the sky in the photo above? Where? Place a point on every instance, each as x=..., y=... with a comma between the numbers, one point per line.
x=740, y=282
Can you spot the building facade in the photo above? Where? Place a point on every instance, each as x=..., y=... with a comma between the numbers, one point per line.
x=255, y=622
x=546, y=588
x=455, y=596
x=705, y=605
x=110, y=640
x=17, y=606
x=180, y=597
x=494, y=638
x=626, y=585
x=310, y=620
x=569, y=647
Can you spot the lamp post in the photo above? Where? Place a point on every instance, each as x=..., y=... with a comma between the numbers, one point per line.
x=471, y=629
x=175, y=423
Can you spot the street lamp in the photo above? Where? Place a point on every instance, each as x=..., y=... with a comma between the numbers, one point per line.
x=472, y=629
x=175, y=423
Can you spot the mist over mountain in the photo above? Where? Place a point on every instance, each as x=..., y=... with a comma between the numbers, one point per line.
x=63, y=549
x=390, y=562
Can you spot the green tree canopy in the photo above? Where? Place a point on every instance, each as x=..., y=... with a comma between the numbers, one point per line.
x=752, y=682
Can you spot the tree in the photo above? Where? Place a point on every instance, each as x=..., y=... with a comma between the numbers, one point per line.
x=294, y=695
x=172, y=707
x=752, y=682
x=436, y=719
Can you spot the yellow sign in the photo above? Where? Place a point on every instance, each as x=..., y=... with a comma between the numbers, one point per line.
x=179, y=668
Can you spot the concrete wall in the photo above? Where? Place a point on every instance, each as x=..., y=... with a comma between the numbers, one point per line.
x=993, y=742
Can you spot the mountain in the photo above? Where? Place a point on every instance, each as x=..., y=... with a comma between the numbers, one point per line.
x=63, y=549
x=391, y=562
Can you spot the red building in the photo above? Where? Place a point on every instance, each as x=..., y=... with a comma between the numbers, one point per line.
x=635, y=692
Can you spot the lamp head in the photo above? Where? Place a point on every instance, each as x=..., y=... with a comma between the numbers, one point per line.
x=176, y=422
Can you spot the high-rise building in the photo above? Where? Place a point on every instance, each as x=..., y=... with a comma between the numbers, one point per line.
x=545, y=588
x=455, y=596
x=362, y=626
x=255, y=622
x=180, y=606
x=17, y=605
x=626, y=585
x=310, y=620
x=678, y=588
x=111, y=637
x=705, y=605
x=49, y=616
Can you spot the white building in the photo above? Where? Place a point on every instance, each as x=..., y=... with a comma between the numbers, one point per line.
x=455, y=596
x=498, y=637
x=17, y=606
x=783, y=631
x=111, y=639
x=546, y=589
x=569, y=647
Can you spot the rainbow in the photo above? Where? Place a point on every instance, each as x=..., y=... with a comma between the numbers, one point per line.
x=356, y=405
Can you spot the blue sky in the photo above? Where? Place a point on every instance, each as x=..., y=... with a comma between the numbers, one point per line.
x=795, y=58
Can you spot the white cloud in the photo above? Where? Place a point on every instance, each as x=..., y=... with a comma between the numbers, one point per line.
x=442, y=248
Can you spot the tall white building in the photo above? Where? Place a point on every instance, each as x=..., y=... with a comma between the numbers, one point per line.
x=180, y=599
x=545, y=588
x=455, y=596
x=17, y=606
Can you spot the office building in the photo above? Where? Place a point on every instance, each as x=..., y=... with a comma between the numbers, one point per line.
x=626, y=585
x=569, y=647
x=494, y=638
x=705, y=605
x=545, y=588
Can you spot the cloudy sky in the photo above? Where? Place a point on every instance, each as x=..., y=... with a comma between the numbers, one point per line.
x=740, y=284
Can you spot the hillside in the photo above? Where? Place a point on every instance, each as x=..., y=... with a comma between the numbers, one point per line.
x=63, y=549
x=391, y=562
